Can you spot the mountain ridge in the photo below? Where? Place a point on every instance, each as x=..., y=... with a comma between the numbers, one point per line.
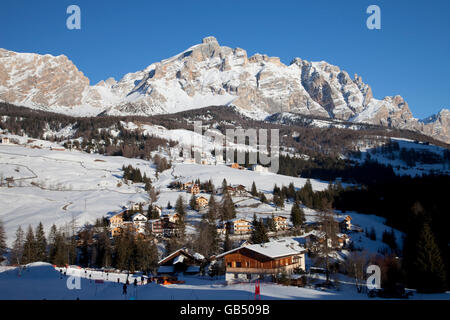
x=209, y=74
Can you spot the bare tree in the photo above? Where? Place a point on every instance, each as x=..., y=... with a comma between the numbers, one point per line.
x=328, y=238
x=355, y=266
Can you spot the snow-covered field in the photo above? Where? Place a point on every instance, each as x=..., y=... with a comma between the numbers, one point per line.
x=41, y=281
x=400, y=167
x=55, y=186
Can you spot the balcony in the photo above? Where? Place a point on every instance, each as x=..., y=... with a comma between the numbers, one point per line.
x=287, y=269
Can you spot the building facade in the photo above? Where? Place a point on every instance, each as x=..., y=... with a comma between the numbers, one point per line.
x=263, y=261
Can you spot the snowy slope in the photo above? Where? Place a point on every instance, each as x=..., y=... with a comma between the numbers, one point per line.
x=41, y=281
x=56, y=186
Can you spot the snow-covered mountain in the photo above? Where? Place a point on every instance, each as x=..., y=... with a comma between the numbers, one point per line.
x=208, y=74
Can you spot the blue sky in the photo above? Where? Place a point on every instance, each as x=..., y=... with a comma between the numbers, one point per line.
x=408, y=56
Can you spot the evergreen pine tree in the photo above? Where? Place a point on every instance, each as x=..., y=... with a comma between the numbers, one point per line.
x=29, y=247
x=254, y=191
x=146, y=258
x=124, y=251
x=278, y=201
x=297, y=215
x=271, y=224
x=17, y=249
x=259, y=233
x=431, y=275
x=152, y=213
x=373, y=234
x=207, y=240
x=41, y=243
x=192, y=202
x=291, y=191
x=211, y=215
x=173, y=244
x=180, y=206
x=276, y=190
x=228, y=209
x=2, y=240
x=224, y=185
x=52, y=243
x=227, y=245
x=104, y=249
x=262, y=197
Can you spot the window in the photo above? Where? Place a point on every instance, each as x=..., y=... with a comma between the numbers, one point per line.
x=229, y=264
x=238, y=264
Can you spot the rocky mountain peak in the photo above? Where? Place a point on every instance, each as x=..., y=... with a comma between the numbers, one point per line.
x=209, y=74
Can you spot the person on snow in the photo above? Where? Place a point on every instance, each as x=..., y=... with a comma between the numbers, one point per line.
x=135, y=282
x=124, y=292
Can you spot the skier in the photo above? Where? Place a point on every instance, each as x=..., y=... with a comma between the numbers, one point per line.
x=135, y=282
x=124, y=292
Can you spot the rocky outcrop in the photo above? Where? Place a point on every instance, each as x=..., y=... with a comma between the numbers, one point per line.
x=41, y=80
x=209, y=74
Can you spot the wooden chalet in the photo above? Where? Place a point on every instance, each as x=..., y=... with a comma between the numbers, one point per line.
x=156, y=226
x=345, y=224
x=180, y=261
x=186, y=186
x=239, y=226
x=240, y=189
x=194, y=189
x=201, y=202
x=139, y=222
x=262, y=261
x=5, y=140
x=281, y=223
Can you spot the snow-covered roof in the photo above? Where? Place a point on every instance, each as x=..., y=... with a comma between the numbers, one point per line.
x=272, y=249
x=238, y=219
x=138, y=215
x=113, y=214
x=198, y=256
x=178, y=259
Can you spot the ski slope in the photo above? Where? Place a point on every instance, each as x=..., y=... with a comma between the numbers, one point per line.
x=42, y=281
x=58, y=186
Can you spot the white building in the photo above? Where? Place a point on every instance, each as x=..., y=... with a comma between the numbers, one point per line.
x=239, y=226
x=5, y=140
x=250, y=262
x=139, y=222
x=259, y=168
